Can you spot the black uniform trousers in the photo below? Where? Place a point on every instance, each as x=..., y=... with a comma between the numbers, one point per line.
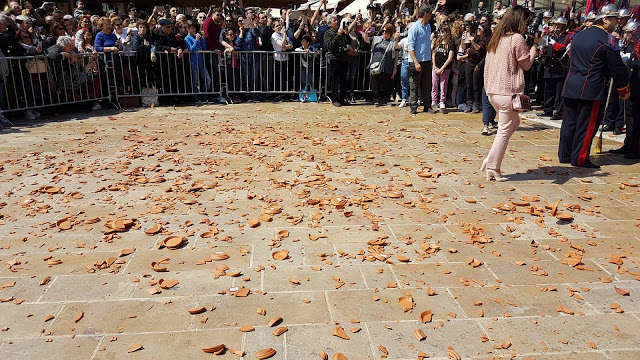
x=613, y=117
x=338, y=74
x=553, y=95
x=580, y=123
x=632, y=138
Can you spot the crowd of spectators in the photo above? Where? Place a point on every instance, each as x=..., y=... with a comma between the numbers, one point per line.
x=414, y=54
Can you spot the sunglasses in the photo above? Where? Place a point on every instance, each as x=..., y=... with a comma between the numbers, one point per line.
x=228, y=20
x=133, y=10
x=118, y=24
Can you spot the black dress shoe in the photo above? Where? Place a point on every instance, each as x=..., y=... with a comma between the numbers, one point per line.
x=544, y=114
x=556, y=117
x=607, y=128
x=631, y=156
x=617, y=131
x=619, y=151
x=589, y=165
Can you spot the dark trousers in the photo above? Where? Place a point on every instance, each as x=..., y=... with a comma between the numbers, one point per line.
x=614, y=117
x=420, y=80
x=475, y=83
x=580, y=123
x=632, y=120
x=552, y=95
x=338, y=73
x=381, y=86
x=281, y=80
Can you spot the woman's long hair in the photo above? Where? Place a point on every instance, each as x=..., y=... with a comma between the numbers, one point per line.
x=513, y=21
x=444, y=36
x=486, y=36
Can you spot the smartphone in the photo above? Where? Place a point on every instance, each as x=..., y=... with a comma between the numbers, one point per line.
x=372, y=29
x=246, y=23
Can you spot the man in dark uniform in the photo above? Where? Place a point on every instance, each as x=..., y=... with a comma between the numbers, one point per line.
x=555, y=69
x=631, y=147
x=594, y=58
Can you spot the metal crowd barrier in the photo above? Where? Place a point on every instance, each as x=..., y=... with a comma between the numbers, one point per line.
x=271, y=72
x=362, y=78
x=31, y=82
x=195, y=75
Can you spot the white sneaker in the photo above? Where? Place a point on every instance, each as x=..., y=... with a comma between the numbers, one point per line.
x=96, y=106
x=485, y=130
x=442, y=107
x=403, y=103
x=434, y=105
x=29, y=115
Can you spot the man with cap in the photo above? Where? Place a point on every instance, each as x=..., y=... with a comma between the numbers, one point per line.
x=594, y=61
x=419, y=44
x=630, y=54
x=165, y=42
x=555, y=68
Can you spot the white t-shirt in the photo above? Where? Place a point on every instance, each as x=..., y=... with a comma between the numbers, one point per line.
x=276, y=41
x=405, y=47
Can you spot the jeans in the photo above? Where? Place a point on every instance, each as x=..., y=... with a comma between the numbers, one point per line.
x=199, y=72
x=443, y=81
x=305, y=77
x=488, y=112
x=508, y=122
x=404, y=79
x=249, y=65
x=352, y=72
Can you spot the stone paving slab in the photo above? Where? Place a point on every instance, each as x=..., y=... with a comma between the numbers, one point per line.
x=373, y=206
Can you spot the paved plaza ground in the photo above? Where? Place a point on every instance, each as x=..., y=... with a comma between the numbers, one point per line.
x=310, y=230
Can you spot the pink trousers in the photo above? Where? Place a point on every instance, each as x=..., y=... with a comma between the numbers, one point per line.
x=508, y=122
x=443, y=81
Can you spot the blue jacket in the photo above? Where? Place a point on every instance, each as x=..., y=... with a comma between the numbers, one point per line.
x=249, y=41
x=594, y=58
x=194, y=47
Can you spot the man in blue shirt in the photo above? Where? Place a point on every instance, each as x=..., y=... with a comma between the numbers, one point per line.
x=419, y=39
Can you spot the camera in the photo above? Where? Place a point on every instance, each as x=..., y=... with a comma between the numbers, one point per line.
x=534, y=24
x=533, y=29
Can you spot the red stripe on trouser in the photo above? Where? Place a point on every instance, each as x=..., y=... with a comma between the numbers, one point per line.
x=586, y=143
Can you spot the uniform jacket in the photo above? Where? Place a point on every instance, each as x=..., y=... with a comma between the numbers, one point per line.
x=594, y=58
x=634, y=66
x=556, y=65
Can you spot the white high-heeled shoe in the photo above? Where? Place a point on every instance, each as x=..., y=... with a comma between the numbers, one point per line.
x=495, y=174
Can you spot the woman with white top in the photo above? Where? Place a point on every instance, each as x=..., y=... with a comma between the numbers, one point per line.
x=404, y=69
x=280, y=44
